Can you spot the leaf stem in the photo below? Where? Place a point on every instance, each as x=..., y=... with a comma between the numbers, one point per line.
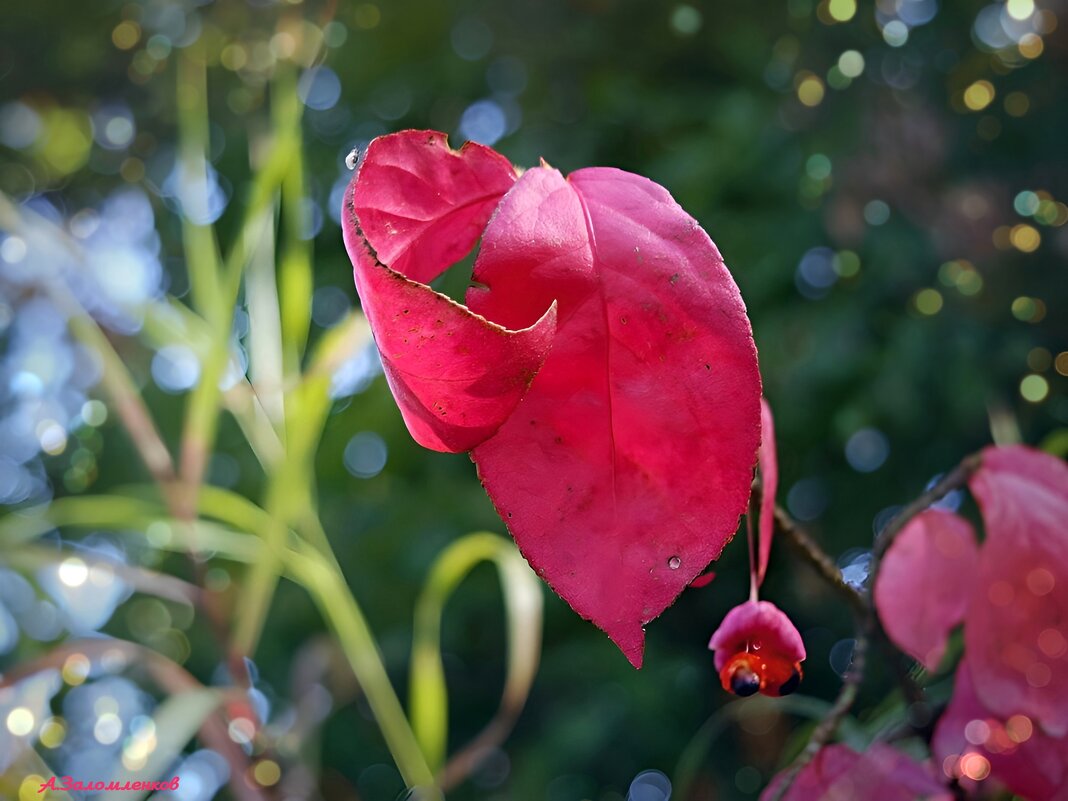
x=750, y=538
x=818, y=559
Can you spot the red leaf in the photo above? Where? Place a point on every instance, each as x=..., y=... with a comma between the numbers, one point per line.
x=412, y=209
x=972, y=742
x=625, y=469
x=1015, y=634
x=703, y=580
x=924, y=583
x=879, y=774
x=769, y=482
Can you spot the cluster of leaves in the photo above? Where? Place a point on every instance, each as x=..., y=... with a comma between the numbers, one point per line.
x=1007, y=719
x=550, y=388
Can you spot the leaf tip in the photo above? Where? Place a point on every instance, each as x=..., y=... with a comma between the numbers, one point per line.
x=630, y=639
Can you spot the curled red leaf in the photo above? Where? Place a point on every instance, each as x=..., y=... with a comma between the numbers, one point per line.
x=639, y=434
x=413, y=208
x=703, y=580
x=623, y=470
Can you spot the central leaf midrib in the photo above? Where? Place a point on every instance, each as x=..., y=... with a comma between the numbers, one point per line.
x=587, y=219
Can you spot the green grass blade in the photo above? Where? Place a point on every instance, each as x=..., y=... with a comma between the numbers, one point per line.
x=201, y=251
x=428, y=695
x=327, y=588
x=125, y=514
x=296, y=279
x=265, y=326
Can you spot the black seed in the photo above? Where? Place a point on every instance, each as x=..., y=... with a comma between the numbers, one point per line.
x=790, y=684
x=745, y=683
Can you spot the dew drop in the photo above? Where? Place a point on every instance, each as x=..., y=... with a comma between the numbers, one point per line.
x=674, y=562
x=841, y=656
x=352, y=158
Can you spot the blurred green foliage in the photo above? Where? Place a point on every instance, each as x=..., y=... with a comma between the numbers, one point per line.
x=903, y=285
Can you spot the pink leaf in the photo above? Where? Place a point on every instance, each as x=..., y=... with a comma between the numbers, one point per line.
x=879, y=774
x=769, y=480
x=412, y=209
x=1015, y=634
x=972, y=743
x=703, y=580
x=924, y=582
x=625, y=469
x=758, y=649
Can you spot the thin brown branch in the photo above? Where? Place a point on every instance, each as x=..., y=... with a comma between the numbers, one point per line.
x=827, y=727
x=954, y=479
x=465, y=761
x=818, y=559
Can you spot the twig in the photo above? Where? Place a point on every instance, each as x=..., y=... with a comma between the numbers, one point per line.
x=954, y=479
x=465, y=761
x=823, y=733
x=818, y=558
